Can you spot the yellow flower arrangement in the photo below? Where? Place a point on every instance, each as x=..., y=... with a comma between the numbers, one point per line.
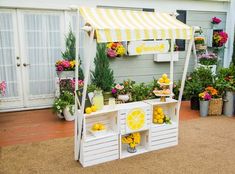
x=115, y=49
x=132, y=139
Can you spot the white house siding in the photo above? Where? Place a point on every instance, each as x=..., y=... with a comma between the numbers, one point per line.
x=139, y=68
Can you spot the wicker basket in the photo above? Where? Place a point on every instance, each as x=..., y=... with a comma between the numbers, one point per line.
x=215, y=106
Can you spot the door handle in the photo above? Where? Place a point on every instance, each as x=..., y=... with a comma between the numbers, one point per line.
x=18, y=64
x=26, y=64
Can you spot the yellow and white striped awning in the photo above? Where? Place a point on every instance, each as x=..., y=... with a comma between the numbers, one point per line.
x=113, y=25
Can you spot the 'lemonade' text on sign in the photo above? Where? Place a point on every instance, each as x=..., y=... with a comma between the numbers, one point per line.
x=147, y=47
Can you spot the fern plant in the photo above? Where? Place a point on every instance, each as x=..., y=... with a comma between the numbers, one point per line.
x=102, y=76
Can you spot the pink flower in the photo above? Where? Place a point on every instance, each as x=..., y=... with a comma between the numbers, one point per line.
x=114, y=91
x=216, y=20
x=60, y=68
x=80, y=83
x=3, y=87
x=111, y=53
x=119, y=87
x=65, y=64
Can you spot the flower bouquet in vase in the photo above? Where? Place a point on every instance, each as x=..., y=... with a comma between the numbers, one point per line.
x=209, y=61
x=132, y=140
x=220, y=39
x=3, y=87
x=120, y=92
x=115, y=49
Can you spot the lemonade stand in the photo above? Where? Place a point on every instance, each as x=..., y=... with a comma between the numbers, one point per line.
x=130, y=128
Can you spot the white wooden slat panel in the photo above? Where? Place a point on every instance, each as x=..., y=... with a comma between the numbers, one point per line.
x=101, y=160
x=103, y=150
x=100, y=141
x=162, y=137
x=101, y=145
x=165, y=145
x=101, y=155
x=164, y=132
x=167, y=140
x=156, y=128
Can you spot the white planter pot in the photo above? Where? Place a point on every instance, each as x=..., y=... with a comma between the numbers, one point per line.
x=211, y=67
x=228, y=104
x=67, y=115
x=124, y=97
x=66, y=74
x=166, y=57
x=60, y=115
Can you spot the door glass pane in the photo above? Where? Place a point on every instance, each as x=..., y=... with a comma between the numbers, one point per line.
x=43, y=48
x=7, y=54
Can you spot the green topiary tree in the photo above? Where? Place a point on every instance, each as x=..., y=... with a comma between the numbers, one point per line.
x=70, y=52
x=102, y=76
x=233, y=58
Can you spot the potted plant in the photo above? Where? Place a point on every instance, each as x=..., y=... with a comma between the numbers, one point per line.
x=120, y=92
x=216, y=102
x=208, y=60
x=102, y=76
x=115, y=49
x=143, y=91
x=220, y=39
x=64, y=105
x=199, y=42
x=215, y=22
x=225, y=83
x=204, y=103
x=132, y=140
x=199, y=79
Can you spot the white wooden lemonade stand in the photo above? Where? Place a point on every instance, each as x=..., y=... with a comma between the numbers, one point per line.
x=106, y=25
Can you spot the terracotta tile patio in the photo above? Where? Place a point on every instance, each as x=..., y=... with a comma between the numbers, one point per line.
x=39, y=125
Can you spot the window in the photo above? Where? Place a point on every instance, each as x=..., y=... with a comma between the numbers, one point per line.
x=181, y=17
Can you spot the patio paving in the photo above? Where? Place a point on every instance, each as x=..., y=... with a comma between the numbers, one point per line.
x=40, y=125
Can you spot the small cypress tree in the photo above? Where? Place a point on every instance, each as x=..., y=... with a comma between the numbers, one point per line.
x=233, y=57
x=70, y=52
x=102, y=76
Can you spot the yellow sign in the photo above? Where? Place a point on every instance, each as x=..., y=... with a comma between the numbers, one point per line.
x=147, y=47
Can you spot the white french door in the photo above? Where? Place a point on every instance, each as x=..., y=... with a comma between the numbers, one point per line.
x=30, y=43
x=10, y=70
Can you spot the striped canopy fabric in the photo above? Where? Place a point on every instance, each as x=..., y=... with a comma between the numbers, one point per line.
x=114, y=25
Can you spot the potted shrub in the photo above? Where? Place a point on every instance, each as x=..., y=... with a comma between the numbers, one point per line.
x=225, y=83
x=64, y=105
x=102, y=76
x=204, y=103
x=199, y=79
x=208, y=60
x=216, y=102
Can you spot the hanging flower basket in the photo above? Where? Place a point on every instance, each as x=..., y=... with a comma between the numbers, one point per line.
x=65, y=68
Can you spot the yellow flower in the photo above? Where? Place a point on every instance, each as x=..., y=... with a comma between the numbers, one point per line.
x=72, y=63
x=120, y=50
x=132, y=145
x=109, y=45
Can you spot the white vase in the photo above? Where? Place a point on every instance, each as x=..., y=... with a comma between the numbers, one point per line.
x=67, y=115
x=123, y=97
x=66, y=74
x=60, y=115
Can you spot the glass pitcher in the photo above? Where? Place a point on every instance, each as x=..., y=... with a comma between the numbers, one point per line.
x=98, y=100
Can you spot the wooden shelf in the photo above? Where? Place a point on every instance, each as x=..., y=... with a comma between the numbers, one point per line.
x=140, y=150
x=173, y=124
x=158, y=102
x=109, y=133
x=106, y=109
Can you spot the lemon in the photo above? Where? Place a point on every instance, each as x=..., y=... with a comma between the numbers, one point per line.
x=159, y=117
x=88, y=110
x=155, y=120
x=161, y=80
x=136, y=119
x=164, y=76
x=96, y=127
x=93, y=108
x=160, y=121
x=101, y=127
x=159, y=110
x=167, y=81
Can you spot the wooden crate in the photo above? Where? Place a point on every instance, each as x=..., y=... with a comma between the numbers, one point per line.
x=141, y=148
x=164, y=135
x=215, y=107
x=99, y=150
x=125, y=109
